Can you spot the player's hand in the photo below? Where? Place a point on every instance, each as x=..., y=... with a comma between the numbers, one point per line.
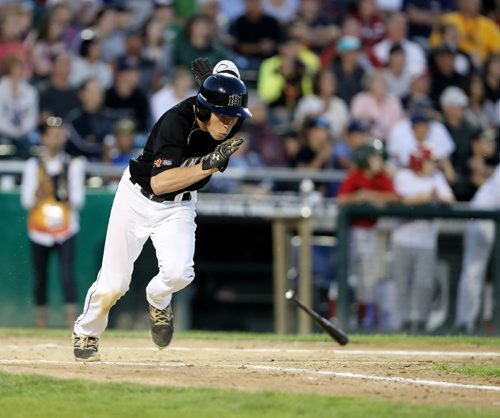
x=219, y=157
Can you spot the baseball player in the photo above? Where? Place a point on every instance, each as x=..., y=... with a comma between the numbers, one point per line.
x=156, y=198
x=478, y=244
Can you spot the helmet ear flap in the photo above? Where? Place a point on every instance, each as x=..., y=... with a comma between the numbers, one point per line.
x=202, y=112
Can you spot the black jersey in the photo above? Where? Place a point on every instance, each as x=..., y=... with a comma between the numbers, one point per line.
x=174, y=138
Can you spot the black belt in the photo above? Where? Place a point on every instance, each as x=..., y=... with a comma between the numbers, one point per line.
x=151, y=196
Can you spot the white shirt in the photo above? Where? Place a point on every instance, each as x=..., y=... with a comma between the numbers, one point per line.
x=19, y=114
x=76, y=192
x=420, y=233
x=82, y=70
x=415, y=59
x=337, y=112
x=402, y=142
x=164, y=99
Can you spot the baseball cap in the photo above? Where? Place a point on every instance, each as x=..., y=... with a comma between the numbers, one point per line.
x=453, y=96
x=226, y=66
x=348, y=43
x=357, y=125
x=127, y=63
x=419, y=116
x=444, y=49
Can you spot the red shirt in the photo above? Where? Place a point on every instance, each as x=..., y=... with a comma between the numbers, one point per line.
x=356, y=180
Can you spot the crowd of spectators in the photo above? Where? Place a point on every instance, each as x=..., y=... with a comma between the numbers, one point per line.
x=405, y=72
x=325, y=78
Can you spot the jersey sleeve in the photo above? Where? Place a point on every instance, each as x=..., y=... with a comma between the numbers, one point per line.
x=172, y=136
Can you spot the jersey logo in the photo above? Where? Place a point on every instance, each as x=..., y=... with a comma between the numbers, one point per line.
x=234, y=100
x=162, y=162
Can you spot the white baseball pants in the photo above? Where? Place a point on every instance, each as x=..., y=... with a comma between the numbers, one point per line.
x=478, y=244
x=133, y=219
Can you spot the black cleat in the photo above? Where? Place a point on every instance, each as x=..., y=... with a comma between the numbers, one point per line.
x=162, y=325
x=85, y=348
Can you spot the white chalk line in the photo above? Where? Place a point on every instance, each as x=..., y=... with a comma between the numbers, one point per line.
x=395, y=379
x=346, y=351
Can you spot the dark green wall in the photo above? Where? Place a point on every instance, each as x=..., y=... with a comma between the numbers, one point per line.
x=16, y=278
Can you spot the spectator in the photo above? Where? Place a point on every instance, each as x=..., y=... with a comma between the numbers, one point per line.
x=482, y=159
x=463, y=62
x=286, y=77
x=367, y=183
x=57, y=96
x=478, y=244
x=357, y=134
x=397, y=30
x=324, y=102
x=423, y=16
x=197, y=40
x=443, y=73
x=420, y=129
x=492, y=83
x=180, y=88
x=89, y=123
x=323, y=29
x=19, y=106
x=348, y=69
x=264, y=139
x=53, y=191
x=284, y=11
x=126, y=98
x=254, y=35
x=12, y=43
x=398, y=81
x=381, y=109
x=479, y=36
x=89, y=64
x=480, y=112
x=120, y=144
x=371, y=22
x=49, y=43
x=454, y=102
x=111, y=36
x=414, y=242
x=156, y=57
x=419, y=92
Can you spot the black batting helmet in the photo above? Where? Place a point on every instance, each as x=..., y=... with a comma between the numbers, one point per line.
x=223, y=94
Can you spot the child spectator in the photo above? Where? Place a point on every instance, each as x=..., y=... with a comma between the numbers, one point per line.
x=414, y=242
x=367, y=183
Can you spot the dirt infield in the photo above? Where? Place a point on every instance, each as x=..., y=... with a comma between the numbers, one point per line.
x=406, y=375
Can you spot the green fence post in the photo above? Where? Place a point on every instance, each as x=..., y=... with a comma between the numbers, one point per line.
x=342, y=313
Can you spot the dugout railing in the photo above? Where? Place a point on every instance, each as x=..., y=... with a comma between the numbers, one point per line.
x=456, y=211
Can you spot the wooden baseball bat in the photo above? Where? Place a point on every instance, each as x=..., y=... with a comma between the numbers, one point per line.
x=336, y=333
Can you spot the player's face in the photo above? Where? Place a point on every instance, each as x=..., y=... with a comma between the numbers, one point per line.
x=219, y=126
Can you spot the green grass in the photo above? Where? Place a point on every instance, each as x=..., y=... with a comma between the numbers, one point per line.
x=380, y=340
x=25, y=396
x=487, y=370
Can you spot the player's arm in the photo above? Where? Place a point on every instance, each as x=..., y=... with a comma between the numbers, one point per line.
x=178, y=178
x=195, y=169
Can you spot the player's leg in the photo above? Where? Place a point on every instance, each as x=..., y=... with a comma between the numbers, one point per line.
x=478, y=244
x=401, y=273
x=424, y=279
x=173, y=239
x=128, y=229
